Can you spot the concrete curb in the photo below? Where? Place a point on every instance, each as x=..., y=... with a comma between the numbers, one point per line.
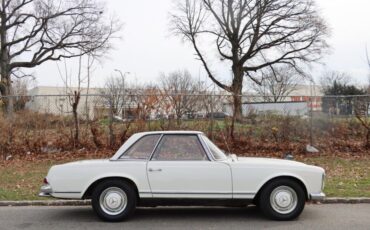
x=346, y=200
x=330, y=200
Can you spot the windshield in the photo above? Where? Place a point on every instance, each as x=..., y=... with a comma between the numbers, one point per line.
x=216, y=152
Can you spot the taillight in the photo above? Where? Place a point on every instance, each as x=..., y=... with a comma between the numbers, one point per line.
x=46, y=181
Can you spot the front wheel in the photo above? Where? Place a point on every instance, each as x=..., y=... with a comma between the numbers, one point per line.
x=114, y=200
x=282, y=199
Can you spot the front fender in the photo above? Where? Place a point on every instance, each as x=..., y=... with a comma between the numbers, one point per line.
x=286, y=175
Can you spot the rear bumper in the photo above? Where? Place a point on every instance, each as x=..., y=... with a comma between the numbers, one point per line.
x=317, y=196
x=45, y=191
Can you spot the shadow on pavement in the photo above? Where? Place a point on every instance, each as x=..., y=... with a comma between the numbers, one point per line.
x=165, y=214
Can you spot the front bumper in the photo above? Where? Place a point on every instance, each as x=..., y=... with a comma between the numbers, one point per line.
x=45, y=191
x=317, y=196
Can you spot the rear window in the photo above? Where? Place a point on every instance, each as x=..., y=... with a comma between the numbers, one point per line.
x=142, y=149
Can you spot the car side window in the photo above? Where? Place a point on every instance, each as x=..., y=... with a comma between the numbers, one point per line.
x=142, y=148
x=179, y=148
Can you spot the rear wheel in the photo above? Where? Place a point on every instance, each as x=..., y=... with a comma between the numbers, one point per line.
x=282, y=199
x=114, y=200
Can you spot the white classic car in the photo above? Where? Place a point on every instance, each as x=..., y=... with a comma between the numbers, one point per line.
x=184, y=168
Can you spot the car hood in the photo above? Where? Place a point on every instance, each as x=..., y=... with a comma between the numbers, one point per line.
x=86, y=162
x=269, y=161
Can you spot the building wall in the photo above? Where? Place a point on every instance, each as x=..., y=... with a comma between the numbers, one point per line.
x=54, y=100
x=281, y=108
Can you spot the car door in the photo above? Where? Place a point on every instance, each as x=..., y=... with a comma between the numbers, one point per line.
x=180, y=168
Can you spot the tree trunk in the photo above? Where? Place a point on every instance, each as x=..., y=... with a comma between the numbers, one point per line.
x=75, y=103
x=237, y=87
x=110, y=126
x=6, y=91
x=367, y=145
x=178, y=120
x=5, y=83
x=95, y=134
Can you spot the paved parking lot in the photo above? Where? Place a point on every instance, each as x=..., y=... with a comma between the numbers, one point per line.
x=333, y=216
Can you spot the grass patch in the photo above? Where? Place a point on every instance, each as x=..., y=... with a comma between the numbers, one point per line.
x=346, y=176
x=22, y=180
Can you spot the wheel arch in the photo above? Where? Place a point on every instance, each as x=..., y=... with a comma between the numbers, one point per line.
x=89, y=190
x=290, y=177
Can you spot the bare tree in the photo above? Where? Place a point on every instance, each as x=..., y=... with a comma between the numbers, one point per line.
x=20, y=88
x=361, y=108
x=89, y=72
x=251, y=35
x=115, y=90
x=341, y=85
x=205, y=100
x=368, y=63
x=330, y=79
x=36, y=31
x=76, y=83
x=180, y=91
x=115, y=95
x=276, y=83
x=74, y=96
x=149, y=102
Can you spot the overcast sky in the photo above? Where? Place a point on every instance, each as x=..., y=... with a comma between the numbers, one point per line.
x=148, y=48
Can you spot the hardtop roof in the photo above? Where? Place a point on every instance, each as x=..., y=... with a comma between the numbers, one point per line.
x=172, y=132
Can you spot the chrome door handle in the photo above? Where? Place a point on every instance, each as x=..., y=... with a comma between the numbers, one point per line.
x=155, y=170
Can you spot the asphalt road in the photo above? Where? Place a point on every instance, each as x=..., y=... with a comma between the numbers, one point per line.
x=334, y=216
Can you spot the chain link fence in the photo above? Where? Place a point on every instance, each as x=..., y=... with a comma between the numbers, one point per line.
x=56, y=123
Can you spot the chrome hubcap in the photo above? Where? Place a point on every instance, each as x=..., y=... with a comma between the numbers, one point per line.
x=283, y=199
x=113, y=201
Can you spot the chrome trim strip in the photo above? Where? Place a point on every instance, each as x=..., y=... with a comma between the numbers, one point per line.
x=317, y=196
x=42, y=194
x=203, y=193
x=243, y=194
x=45, y=190
x=191, y=193
x=67, y=192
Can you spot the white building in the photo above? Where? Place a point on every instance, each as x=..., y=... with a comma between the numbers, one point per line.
x=59, y=100
x=298, y=102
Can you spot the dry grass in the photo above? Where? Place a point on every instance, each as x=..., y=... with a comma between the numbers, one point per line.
x=30, y=135
x=346, y=177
